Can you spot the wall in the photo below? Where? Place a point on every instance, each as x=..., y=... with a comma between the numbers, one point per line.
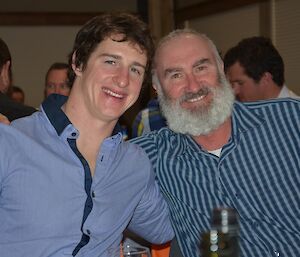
x=227, y=28
x=286, y=36
x=33, y=50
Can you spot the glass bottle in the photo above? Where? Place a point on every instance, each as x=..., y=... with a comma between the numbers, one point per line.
x=222, y=239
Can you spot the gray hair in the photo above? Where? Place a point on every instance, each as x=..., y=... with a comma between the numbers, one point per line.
x=187, y=31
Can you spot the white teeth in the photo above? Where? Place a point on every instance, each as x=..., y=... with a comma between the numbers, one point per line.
x=107, y=91
x=196, y=99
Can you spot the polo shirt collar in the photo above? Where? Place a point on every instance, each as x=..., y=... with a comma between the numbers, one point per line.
x=59, y=120
x=52, y=108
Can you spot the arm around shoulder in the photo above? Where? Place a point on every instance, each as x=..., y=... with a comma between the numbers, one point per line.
x=151, y=218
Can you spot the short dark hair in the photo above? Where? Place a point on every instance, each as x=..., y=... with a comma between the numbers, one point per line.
x=15, y=89
x=257, y=55
x=5, y=56
x=56, y=66
x=100, y=27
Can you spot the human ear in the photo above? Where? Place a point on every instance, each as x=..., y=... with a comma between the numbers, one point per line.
x=154, y=86
x=4, y=73
x=77, y=70
x=155, y=81
x=266, y=79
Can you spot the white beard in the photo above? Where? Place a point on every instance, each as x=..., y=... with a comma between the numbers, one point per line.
x=204, y=119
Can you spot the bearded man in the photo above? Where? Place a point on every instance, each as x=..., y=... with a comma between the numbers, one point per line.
x=217, y=152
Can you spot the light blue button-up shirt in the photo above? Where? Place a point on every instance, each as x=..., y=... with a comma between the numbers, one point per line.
x=51, y=206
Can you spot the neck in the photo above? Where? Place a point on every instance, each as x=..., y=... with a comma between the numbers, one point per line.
x=92, y=131
x=272, y=91
x=217, y=138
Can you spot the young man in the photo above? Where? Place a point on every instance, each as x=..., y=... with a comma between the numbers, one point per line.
x=67, y=188
x=255, y=70
x=217, y=152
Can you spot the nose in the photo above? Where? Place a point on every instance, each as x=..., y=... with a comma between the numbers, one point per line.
x=192, y=83
x=121, y=79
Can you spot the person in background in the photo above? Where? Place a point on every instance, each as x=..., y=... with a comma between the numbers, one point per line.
x=255, y=70
x=56, y=80
x=220, y=152
x=8, y=108
x=67, y=187
x=16, y=94
x=148, y=119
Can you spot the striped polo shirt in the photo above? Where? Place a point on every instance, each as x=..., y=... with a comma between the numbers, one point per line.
x=257, y=173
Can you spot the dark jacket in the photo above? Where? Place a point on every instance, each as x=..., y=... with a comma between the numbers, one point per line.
x=13, y=110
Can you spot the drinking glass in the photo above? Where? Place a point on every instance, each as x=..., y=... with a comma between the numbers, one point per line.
x=134, y=251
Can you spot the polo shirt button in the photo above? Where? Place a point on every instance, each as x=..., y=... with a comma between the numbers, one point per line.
x=93, y=194
x=88, y=231
x=73, y=134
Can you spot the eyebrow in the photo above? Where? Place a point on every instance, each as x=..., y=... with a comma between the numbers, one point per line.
x=171, y=70
x=118, y=57
x=177, y=69
x=236, y=81
x=202, y=61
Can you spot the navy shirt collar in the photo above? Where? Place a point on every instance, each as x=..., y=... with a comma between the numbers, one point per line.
x=52, y=107
x=59, y=120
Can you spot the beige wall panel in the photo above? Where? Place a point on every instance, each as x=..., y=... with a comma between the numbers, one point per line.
x=227, y=28
x=33, y=50
x=287, y=39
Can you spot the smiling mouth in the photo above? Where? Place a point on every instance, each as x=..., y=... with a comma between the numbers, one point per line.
x=195, y=99
x=111, y=93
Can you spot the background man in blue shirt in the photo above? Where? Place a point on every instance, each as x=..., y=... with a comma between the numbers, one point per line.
x=67, y=187
x=217, y=152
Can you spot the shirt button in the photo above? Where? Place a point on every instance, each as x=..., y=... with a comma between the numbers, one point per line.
x=88, y=231
x=93, y=194
x=73, y=134
x=255, y=224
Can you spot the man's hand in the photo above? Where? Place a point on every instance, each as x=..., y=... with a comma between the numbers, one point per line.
x=4, y=119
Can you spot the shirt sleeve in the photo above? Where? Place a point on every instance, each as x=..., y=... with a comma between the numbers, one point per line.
x=151, y=217
x=149, y=144
x=5, y=156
